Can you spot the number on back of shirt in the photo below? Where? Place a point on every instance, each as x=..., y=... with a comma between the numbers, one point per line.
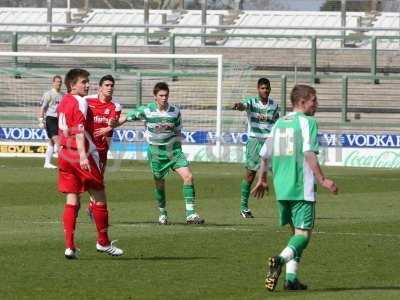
x=284, y=142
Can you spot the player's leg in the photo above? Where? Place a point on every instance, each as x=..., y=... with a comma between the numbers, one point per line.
x=71, y=186
x=70, y=215
x=159, y=195
x=187, y=190
x=160, y=165
x=51, y=130
x=298, y=241
x=300, y=216
x=56, y=143
x=103, y=163
x=303, y=216
x=189, y=194
x=181, y=166
x=275, y=263
x=245, y=187
x=93, y=181
x=48, y=155
x=100, y=216
x=252, y=164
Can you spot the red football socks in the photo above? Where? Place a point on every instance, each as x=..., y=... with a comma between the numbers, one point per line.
x=100, y=215
x=69, y=218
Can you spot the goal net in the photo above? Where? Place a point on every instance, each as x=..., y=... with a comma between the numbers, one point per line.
x=195, y=82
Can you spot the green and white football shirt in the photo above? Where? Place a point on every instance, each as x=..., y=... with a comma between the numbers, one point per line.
x=291, y=136
x=260, y=117
x=162, y=127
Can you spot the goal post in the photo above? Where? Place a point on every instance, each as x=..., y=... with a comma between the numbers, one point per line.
x=204, y=72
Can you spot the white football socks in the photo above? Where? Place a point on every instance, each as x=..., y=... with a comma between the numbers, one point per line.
x=287, y=254
x=292, y=266
x=49, y=154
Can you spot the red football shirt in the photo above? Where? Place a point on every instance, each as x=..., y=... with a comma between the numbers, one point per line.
x=73, y=119
x=102, y=113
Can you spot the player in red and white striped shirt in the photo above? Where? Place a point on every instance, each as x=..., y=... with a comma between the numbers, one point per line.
x=79, y=164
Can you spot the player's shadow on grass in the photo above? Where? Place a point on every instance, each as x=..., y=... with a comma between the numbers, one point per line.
x=174, y=258
x=136, y=223
x=337, y=218
x=360, y=288
x=154, y=258
x=206, y=224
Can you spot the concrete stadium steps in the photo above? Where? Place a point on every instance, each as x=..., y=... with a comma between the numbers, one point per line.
x=18, y=116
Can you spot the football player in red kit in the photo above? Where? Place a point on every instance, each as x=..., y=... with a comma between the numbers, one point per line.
x=79, y=165
x=104, y=110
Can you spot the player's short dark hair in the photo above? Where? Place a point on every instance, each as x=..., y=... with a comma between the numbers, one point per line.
x=72, y=77
x=56, y=77
x=106, y=78
x=301, y=91
x=264, y=81
x=160, y=86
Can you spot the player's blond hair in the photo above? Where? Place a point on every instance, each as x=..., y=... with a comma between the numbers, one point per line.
x=301, y=91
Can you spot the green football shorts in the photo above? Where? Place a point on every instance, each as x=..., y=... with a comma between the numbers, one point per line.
x=253, y=148
x=299, y=213
x=163, y=158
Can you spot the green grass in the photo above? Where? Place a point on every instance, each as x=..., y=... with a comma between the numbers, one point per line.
x=353, y=253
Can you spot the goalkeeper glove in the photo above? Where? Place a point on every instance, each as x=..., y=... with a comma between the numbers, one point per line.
x=41, y=122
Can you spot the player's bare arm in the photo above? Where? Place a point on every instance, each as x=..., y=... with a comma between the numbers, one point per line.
x=262, y=183
x=238, y=106
x=312, y=160
x=116, y=123
x=102, y=131
x=80, y=145
x=42, y=112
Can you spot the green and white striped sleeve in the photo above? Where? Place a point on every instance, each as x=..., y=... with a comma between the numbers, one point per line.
x=246, y=102
x=309, y=130
x=136, y=114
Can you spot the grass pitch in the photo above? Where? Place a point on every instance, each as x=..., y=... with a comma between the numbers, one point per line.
x=353, y=253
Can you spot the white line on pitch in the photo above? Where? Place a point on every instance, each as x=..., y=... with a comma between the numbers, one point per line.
x=221, y=227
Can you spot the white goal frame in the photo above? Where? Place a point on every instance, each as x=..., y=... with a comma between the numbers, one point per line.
x=217, y=57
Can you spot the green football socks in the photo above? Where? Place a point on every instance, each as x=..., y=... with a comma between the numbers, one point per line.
x=245, y=193
x=298, y=243
x=159, y=194
x=292, y=254
x=189, y=196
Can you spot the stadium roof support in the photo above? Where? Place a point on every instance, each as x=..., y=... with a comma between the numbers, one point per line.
x=146, y=21
x=49, y=19
x=203, y=22
x=343, y=20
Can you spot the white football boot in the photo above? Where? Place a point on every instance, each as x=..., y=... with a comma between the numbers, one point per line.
x=71, y=254
x=110, y=249
x=194, y=219
x=163, y=220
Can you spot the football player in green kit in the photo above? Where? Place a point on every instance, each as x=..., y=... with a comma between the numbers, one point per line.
x=163, y=133
x=262, y=112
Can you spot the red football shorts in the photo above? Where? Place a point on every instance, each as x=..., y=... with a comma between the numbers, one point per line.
x=72, y=178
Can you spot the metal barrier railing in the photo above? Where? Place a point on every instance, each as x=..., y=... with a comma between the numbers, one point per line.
x=313, y=76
